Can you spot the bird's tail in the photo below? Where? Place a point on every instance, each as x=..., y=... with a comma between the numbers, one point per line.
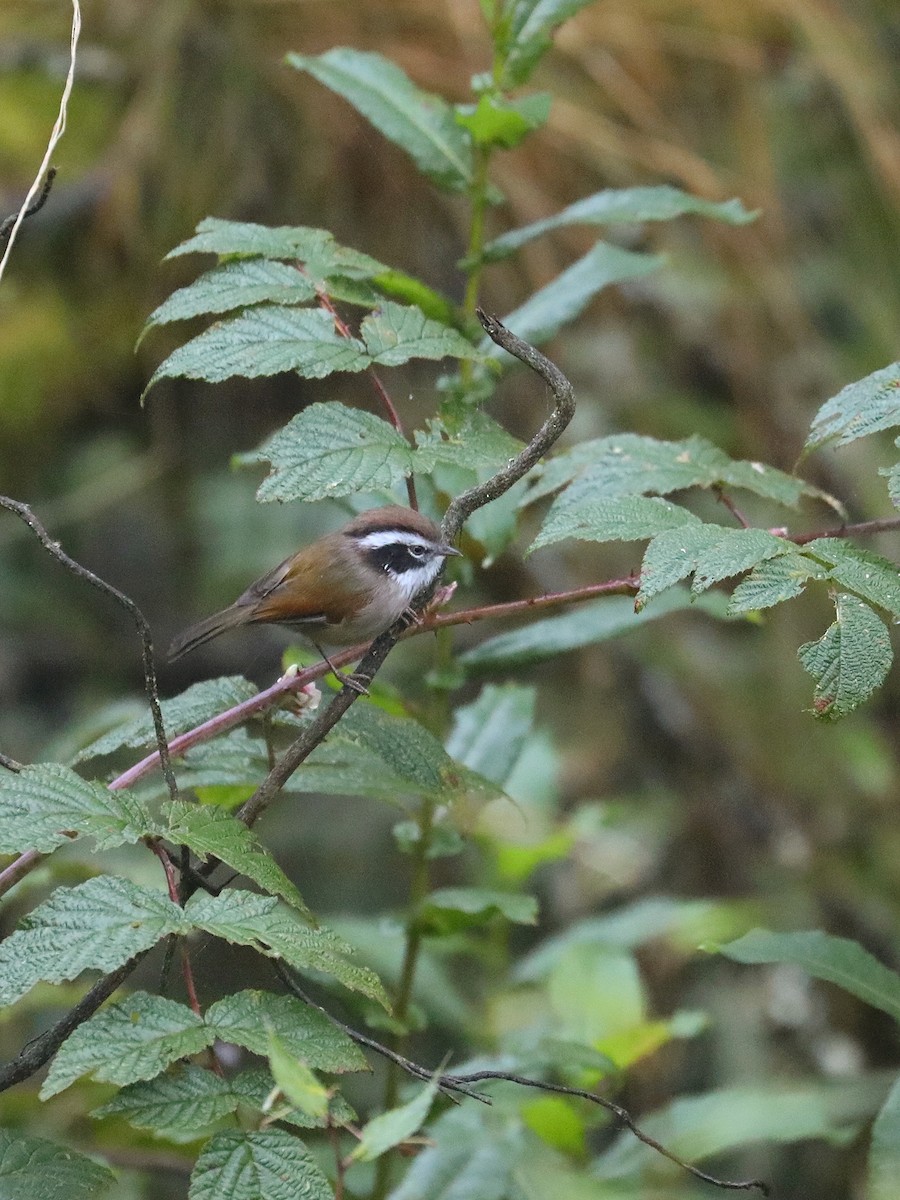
x=205, y=631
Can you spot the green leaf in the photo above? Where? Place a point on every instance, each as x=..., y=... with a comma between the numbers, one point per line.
x=475, y=441
x=254, y=1089
x=268, y=1164
x=97, y=925
x=420, y=123
x=773, y=581
x=236, y=285
x=329, y=450
x=496, y=121
x=321, y=255
x=396, y=333
x=267, y=340
x=129, y=1041
x=869, y=575
x=586, y=625
x=699, y=1127
x=374, y=753
x=296, y=1081
x=566, y=296
x=185, y=711
x=449, y=910
x=884, y=1151
x=245, y=1019
x=528, y=27
x=708, y=552
x=179, y=1106
x=473, y=1156
x=39, y=802
x=626, y=928
x=837, y=960
x=622, y=519
x=397, y=1125
x=628, y=464
x=850, y=660
x=861, y=408
x=37, y=1168
x=614, y=205
x=210, y=832
x=276, y=931
x=489, y=734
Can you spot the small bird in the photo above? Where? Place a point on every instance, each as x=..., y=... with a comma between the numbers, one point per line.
x=346, y=587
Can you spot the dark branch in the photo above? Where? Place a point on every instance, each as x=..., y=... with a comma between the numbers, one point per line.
x=6, y=226
x=564, y=395
x=9, y=763
x=140, y=621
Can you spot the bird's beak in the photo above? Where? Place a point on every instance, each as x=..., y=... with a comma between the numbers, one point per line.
x=447, y=551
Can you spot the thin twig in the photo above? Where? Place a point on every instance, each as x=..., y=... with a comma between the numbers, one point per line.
x=622, y=1116
x=879, y=525
x=10, y=221
x=140, y=622
x=723, y=498
x=58, y=130
x=9, y=763
x=288, y=978
x=564, y=395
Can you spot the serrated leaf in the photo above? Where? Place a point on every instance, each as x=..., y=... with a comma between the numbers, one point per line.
x=411, y=290
x=619, y=519
x=191, y=708
x=449, y=910
x=861, y=408
x=276, y=931
x=210, y=832
x=297, y=1082
x=418, y=122
x=631, y=465
x=884, y=1151
x=236, y=285
x=553, y=306
x=874, y=578
x=489, y=734
x=179, y=1105
x=396, y=333
x=97, y=925
x=837, y=960
x=244, y=239
x=374, y=753
x=850, y=660
x=129, y=1041
x=34, y=1167
x=475, y=442
x=774, y=581
x=586, y=625
x=329, y=450
x=245, y=1018
x=267, y=340
x=40, y=801
x=615, y=205
x=253, y=1089
x=267, y=1164
x=708, y=552
x=396, y=1125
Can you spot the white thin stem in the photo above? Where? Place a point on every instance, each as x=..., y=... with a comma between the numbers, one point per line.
x=59, y=129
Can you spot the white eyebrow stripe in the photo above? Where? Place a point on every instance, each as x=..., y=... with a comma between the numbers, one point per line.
x=392, y=537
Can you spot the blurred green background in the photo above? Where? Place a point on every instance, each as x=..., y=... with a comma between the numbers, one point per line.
x=711, y=776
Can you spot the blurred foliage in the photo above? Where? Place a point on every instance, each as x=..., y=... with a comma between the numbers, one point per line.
x=688, y=766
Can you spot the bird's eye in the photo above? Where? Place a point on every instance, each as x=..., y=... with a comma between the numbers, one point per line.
x=417, y=551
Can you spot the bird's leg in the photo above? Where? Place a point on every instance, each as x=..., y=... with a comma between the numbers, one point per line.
x=349, y=681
